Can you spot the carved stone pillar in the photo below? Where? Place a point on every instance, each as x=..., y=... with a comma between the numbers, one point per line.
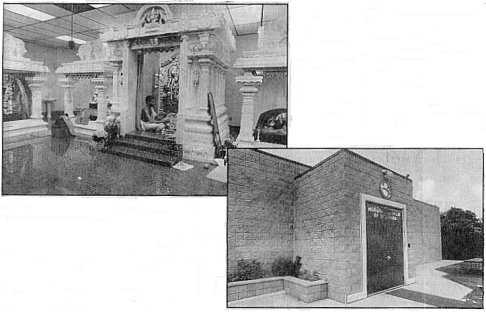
x=35, y=84
x=198, y=136
x=99, y=85
x=116, y=83
x=185, y=88
x=67, y=83
x=205, y=65
x=249, y=87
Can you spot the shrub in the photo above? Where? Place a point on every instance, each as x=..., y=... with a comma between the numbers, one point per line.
x=282, y=267
x=462, y=234
x=247, y=270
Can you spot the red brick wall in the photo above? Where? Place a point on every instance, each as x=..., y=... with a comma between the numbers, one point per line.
x=260, y=213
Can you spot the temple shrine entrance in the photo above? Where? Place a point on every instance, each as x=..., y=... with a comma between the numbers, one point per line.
x=158, y=83
x=174, y=61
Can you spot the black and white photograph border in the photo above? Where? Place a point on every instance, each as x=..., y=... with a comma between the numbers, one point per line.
x=359, y=227
x=138, y=98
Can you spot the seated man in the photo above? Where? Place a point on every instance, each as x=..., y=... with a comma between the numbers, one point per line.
x=149, y=119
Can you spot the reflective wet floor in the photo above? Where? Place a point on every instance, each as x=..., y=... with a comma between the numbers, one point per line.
x=66, y=166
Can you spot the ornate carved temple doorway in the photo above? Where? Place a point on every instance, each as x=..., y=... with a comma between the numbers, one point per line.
x=158, y=70
x=178, y=58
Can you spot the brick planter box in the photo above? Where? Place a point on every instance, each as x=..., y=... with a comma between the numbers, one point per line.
x=306, y=291
x=301, y=289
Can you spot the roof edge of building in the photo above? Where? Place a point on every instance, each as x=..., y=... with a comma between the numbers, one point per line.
x=426, y=203
x=280, y=157
x=345, y=150
x=318, y=164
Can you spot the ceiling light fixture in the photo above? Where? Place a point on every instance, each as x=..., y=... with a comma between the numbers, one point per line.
x=68, y=38
x=29, y=12
x=96, y=6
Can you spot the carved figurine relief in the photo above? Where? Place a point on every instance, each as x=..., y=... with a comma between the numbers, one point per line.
x=154, y=16
x=16, y=102
x=167, y=81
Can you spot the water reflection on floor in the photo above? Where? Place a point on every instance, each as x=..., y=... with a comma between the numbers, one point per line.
x=65, y=166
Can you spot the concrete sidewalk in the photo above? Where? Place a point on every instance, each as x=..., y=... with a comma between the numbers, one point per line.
x=431, y=289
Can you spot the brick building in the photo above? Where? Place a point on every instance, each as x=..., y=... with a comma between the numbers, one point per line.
x=352, y=220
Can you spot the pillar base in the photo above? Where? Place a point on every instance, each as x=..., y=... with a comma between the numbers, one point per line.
x=198, y=136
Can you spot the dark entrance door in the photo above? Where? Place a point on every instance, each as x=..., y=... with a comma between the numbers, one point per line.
x=384, y=247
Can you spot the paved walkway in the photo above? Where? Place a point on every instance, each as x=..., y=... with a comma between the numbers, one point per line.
x=432, y=289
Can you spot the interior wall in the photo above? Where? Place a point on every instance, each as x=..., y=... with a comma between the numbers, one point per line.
x=232, y=96
x=150, y=68
x=272, y=94
x=52, y=58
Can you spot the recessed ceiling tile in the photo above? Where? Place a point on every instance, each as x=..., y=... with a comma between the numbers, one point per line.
x=22, y=34
x=115, y=9
x=46, y=29
x=89, y=23
x=98, y=16
x=65, y=23
x=20, y=18
x=12, y=23
x=133, y=7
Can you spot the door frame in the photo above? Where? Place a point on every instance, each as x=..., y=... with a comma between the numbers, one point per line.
x=364, y=198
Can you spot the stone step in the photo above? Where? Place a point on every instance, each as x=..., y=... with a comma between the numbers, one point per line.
x=147, y=156
x=167, y=148
x=150, y=137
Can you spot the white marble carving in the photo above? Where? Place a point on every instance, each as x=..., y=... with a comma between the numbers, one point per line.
x=205, y=43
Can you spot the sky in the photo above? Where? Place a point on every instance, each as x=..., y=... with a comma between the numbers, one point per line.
x=441, y=177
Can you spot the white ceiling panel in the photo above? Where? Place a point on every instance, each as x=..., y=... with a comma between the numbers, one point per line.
x=50, y=9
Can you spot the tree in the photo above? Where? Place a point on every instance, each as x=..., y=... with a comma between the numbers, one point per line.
x=462, y=234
